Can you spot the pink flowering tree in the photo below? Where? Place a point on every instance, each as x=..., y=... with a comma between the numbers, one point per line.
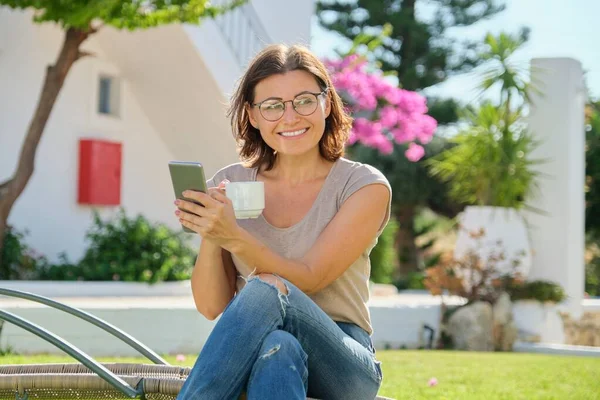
x=383, y=113
x=393, y=132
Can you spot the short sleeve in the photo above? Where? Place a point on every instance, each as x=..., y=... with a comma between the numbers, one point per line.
x=211, y=182
x=233, y=173
x=214, y=180
x=362, y=175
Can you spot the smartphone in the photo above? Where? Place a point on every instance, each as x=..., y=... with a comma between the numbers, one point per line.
x=187, y=175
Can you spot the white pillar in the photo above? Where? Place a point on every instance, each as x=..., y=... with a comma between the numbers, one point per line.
x=557, y=119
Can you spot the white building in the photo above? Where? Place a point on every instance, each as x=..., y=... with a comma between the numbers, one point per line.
x=168, y=89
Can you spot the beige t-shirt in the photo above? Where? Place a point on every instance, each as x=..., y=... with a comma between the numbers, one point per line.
x=345, y=299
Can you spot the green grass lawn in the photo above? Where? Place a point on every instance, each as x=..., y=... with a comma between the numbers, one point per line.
x=460, y=375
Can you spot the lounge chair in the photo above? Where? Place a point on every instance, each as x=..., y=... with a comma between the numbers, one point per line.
x=87, y=379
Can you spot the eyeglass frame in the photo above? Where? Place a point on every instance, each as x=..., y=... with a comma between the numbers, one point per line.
x=289, y=101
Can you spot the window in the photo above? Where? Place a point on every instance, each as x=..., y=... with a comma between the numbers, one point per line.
x=108, y=96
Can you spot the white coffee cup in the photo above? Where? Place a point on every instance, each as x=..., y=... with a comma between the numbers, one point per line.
x=248, y=198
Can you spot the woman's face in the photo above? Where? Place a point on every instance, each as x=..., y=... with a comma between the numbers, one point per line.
x=292, y=133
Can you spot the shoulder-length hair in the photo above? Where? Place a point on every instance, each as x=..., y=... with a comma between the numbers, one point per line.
x=279, y=59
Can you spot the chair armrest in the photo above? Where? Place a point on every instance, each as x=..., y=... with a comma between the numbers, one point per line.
x=74, y=352
x=113, y=330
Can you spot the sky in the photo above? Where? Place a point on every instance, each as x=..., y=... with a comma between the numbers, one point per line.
x=559, y=28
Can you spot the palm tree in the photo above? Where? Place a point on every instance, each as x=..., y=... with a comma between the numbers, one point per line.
x=490, y=164
x=500, y=70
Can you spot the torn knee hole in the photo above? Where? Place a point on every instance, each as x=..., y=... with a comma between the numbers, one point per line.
x=270, y=352
x=275, y=281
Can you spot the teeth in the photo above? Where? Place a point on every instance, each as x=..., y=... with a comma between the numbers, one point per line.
x=294, y=133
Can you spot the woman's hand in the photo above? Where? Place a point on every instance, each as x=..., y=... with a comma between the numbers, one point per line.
x=214, y=220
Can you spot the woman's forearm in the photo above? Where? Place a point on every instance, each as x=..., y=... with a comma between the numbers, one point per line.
x=212, y=286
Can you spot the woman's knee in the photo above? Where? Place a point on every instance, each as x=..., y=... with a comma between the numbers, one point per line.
x=273, y=280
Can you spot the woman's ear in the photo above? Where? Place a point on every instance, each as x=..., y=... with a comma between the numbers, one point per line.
x=253, y=121
x=327, y=101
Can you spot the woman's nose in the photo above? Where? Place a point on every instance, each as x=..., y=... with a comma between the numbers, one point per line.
x=289, y=113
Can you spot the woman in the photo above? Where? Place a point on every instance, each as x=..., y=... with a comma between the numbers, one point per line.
x=292, y=284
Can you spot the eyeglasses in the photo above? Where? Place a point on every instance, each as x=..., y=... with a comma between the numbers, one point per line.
x=304, y=104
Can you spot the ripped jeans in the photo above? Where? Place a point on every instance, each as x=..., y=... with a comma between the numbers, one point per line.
x=277, y=346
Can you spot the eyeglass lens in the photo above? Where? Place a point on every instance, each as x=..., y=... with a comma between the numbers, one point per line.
x=304, y=104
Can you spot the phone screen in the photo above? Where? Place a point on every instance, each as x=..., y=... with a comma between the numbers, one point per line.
x=187, y=175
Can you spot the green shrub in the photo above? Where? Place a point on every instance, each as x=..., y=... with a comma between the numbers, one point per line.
x=383, y=256
x=592, y=171
x=129, y=249
x=592, y=269
x=19, y=261
x=64, y=270
x=592, y=277
x=542, y=291
x=411, y=280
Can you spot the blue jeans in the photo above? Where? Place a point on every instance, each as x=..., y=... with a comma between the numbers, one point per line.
x=278, y=346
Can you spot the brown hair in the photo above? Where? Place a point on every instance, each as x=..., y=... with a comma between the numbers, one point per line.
x=279, y=59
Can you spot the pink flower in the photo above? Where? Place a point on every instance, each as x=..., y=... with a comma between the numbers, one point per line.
x=394, y=95
x=388, y=116
x=180, y=358
x=380, y=142
x=428, y=127
x=385, y=146
x=352, y=138
x=413, y=102
x=383, y=113
x=432, y=382
x=365, y=129
x=414, y=152
x=405, y=131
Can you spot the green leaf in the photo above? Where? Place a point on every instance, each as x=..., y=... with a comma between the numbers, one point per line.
x=121, y=14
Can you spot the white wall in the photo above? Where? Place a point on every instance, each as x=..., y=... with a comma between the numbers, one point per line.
x=172, y=330
x=557, y=120
x=172, y=325
x=48, y=207
x=286, y=21
x=175, y=84
x=220, y=61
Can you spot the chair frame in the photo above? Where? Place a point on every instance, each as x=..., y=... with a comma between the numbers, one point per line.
x=103, y=372
x=132, y=380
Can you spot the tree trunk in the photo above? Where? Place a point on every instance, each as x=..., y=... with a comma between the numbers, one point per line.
x=405, y=241
x=53, y=83
x=407, y=51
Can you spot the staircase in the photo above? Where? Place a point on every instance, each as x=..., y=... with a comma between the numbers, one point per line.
x=243, y=31
x=227, y=43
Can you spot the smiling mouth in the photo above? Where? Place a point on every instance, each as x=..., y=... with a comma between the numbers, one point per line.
x=293, y=133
